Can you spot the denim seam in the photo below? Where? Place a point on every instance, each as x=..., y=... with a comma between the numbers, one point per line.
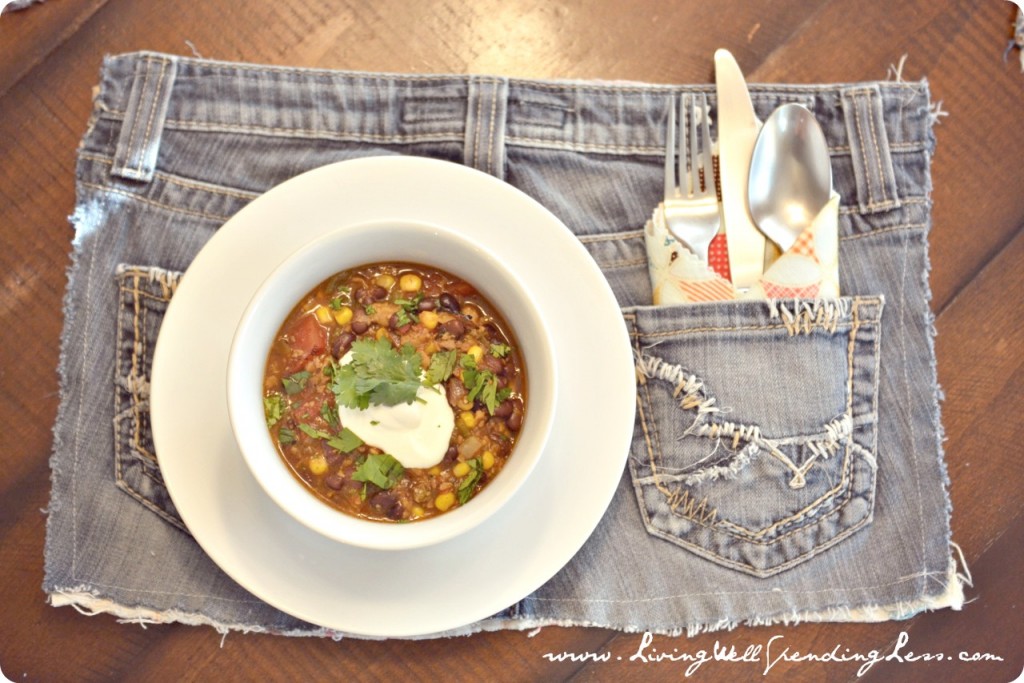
x=218, y=127
x=179, y=180
x=129, y=283
x=609, y=237
x=490, y=136
x=153, y=202
x=614, y=265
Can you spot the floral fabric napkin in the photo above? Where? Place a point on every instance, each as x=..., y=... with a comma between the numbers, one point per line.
x=808, y=269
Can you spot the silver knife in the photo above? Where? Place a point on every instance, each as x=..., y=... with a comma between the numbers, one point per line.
x=738, y=127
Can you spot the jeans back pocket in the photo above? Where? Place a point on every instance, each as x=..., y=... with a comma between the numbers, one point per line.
x=757, y=421
x=143, y=295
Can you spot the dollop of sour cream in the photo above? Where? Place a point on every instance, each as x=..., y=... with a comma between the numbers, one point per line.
x=415, y=434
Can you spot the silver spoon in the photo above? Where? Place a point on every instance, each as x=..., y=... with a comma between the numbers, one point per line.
x=790, y=174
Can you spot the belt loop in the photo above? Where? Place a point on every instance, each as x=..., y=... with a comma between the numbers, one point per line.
x=869, y=149
x=486, y=112
x=139, y=140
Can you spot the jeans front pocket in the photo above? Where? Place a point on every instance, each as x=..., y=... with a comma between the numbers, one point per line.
x=757, y=424
x=143, y=295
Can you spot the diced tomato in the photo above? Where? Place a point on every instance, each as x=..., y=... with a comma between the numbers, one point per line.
x=306, y=338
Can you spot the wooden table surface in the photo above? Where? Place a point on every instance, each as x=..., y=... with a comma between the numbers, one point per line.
x=50, y=55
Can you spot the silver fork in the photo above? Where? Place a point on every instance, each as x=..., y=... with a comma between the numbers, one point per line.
x=691, y=206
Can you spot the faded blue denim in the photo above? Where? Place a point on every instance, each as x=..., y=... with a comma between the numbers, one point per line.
x=786, y=462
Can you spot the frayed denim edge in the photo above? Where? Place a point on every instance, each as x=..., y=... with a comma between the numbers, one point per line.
x=87, y=602
x=56, y=470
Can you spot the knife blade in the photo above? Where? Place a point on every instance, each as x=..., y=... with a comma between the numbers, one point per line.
x=738, y=127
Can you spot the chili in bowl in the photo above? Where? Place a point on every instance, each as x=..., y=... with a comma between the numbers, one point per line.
x=391, y=385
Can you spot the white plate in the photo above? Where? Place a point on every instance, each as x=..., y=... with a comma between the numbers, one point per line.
x=428, y=590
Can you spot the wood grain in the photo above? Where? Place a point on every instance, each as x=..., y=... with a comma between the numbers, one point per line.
x=50, y=55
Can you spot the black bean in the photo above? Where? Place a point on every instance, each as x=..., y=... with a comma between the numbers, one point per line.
x=378, y=293
x=455, y=390
x=393, y=324
x=504, y=409
x=342, y=344
x=515, y=420
x=454, y=327
x=426, y=305
x=493, y=364
x=333, y=481
x=449, y=302
x=362, y=296
x=360, y=325
x=452, y=453
x=387, y=504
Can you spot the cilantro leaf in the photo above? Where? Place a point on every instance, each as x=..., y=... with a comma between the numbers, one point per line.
x=293, y=384
x=329, y=415
x=273, y=408
x=500, y=350
x=378, y=375
x=345, y=442
x=481, y=383
x=309, y=430
x=442, y=364
x=468, y=485
x=285, y=436
x=380, y=469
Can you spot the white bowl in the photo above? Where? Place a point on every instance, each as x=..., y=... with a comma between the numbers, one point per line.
x=355, y=245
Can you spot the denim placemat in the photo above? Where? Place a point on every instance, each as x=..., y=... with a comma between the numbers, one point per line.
x=786, y=462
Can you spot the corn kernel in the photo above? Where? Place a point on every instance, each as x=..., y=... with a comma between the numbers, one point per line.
x=322, y=314
x=467, y=419
x=434, y=471
x=476, y=352
x=385, y=280
x=317, y=465
x=343, y=316
x=381, y=333
x=429, y=319
x=487, y=460
x=444, y=501
x=410, y=282
x=417, y=512
x=460, y=470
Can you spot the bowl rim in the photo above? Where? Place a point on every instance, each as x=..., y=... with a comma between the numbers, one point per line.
x=275, y=477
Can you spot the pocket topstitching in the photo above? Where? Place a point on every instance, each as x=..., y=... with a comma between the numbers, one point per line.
x=143, y=295
x=757, y=421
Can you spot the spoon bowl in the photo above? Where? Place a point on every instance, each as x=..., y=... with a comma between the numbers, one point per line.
x=790, y=174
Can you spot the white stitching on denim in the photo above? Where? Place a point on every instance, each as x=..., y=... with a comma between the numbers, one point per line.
x=696, y=399
x=130, y=279
x=802, y=317
x=153, y=202
x=479, y=123
x=216, y=127
x=179, y=180
x=878, y=150
x=490, y=138
x=863, y=151
x=798, y=481
x=586, y=146
x=134, y=129
x=684, y=505
x=153, y=106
